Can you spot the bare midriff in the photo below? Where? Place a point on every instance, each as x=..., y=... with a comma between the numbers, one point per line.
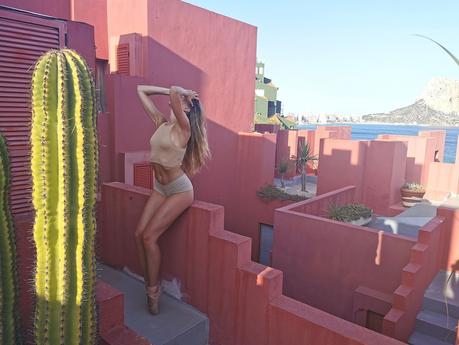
x=166, y=175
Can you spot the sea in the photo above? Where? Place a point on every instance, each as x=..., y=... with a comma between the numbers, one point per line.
x=364, y=131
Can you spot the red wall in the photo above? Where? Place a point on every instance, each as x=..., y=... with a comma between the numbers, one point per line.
x=243, y=299
x=325, y=261
x=218, y=61
x=54, y=8
x=420, y=153
x=349, y=156
x=376, y=168
x=95, y=13
x=424, y=264
x=440, y=138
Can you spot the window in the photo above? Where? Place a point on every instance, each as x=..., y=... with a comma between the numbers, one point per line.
x=260, y=92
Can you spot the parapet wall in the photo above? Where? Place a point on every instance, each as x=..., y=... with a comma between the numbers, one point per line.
x=243, y=299
x=338, y=267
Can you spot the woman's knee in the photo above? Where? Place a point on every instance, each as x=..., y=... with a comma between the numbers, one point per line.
x=150, y=239
x=139, y=235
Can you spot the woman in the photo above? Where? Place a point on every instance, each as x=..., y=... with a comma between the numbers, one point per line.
x=178, y=146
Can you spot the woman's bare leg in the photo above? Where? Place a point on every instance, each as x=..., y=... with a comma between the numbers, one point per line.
x=165, y=215
x=153, y=203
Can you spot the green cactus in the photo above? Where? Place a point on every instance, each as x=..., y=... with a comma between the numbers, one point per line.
x=64, y=167
x=9, y=294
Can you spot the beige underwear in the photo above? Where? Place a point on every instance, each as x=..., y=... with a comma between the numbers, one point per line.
x=179, y=185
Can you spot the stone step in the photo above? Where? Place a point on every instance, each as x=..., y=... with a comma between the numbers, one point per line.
x=437, y=326
x=423, y=339
x=177, y=323
x=433, y=303
x=110, y=306
x=122, y=335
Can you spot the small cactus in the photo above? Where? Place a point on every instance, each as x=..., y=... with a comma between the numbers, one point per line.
x=9, y=316
x=64, y=169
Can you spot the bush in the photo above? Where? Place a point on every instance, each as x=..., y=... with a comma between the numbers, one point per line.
x=270, y=192
x=349, y=212
x=413, y=186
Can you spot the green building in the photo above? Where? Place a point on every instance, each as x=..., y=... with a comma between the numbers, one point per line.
x=266, y=103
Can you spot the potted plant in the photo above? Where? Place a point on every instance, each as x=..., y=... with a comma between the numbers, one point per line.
x=356, y=214
x=305, y=156
x=412, y=193
x=283, y=167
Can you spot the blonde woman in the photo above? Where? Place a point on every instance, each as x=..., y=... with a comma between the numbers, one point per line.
x=178, y=147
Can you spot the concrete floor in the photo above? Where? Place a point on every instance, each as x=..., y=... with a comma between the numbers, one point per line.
x=177, y=323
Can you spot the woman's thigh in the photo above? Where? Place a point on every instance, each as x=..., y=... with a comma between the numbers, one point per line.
x=167, y=213
x=153, y=203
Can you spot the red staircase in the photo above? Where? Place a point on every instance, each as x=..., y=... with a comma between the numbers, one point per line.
x=112, y=331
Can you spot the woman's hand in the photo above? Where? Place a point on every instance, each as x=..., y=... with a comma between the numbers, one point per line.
x=192, y=95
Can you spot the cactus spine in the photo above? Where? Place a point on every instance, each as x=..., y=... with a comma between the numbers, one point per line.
x=9, y=315
x=64, y=167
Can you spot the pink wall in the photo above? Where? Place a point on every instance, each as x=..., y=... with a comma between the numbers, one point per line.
x=375, y=168
x=324, y=262
x=218, y=277
x=289, y=143
x=95, y=14
x=378, y=168
x=450, y=240
x=54, y=8
x=349, y=157
x=440, y=139
x=421, y=152
x=173, y=57
x=443, y=179
x=384, y=175
x=424, y=263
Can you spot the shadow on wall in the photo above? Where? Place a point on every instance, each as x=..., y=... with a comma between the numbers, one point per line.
x=348, y=164
x=241, y=162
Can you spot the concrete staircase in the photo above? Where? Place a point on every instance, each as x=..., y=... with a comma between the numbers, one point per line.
x=433, y=326
x=177, y=324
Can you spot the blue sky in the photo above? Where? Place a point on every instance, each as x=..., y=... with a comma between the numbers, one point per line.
x=349, y=57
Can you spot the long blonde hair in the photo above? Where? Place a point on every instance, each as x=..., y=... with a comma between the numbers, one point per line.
x=197, y=151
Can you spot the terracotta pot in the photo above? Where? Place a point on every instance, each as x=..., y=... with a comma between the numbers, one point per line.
x=411, y=197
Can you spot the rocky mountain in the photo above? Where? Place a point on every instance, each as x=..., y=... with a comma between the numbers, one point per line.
x=438, y=104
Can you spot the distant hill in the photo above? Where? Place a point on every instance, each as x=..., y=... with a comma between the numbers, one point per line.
x=438, y=104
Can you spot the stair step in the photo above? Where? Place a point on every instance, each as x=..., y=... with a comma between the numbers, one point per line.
x=110, y=306
x=122, y=335
x=437, y=305
x=434, y=324
x=177, y=323
x=423, y=339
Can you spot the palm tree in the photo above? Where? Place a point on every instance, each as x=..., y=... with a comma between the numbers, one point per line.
x=305, y=156
x=283, y=167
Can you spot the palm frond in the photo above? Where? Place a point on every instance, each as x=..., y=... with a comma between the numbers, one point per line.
x=446, y=50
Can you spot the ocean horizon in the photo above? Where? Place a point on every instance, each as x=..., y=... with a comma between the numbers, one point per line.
x=367, y=131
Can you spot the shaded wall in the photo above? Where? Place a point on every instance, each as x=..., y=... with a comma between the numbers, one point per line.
x=420, y=153
x=243, y=299
x=375, y=168
x=417, y=275
x=326, y=263
x=55, y=8
x=217, y=61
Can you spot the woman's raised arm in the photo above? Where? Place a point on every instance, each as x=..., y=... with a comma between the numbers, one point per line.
x=144, y=91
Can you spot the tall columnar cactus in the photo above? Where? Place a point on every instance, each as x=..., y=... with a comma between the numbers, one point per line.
x=9, y=315
x=64, y=170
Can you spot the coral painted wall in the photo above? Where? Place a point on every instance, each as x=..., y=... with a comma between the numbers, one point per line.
x=324, y=261
x=55, y=8
x=376, y=168
x=243, y=299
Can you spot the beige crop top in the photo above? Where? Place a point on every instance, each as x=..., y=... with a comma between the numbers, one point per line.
x=163, y=150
